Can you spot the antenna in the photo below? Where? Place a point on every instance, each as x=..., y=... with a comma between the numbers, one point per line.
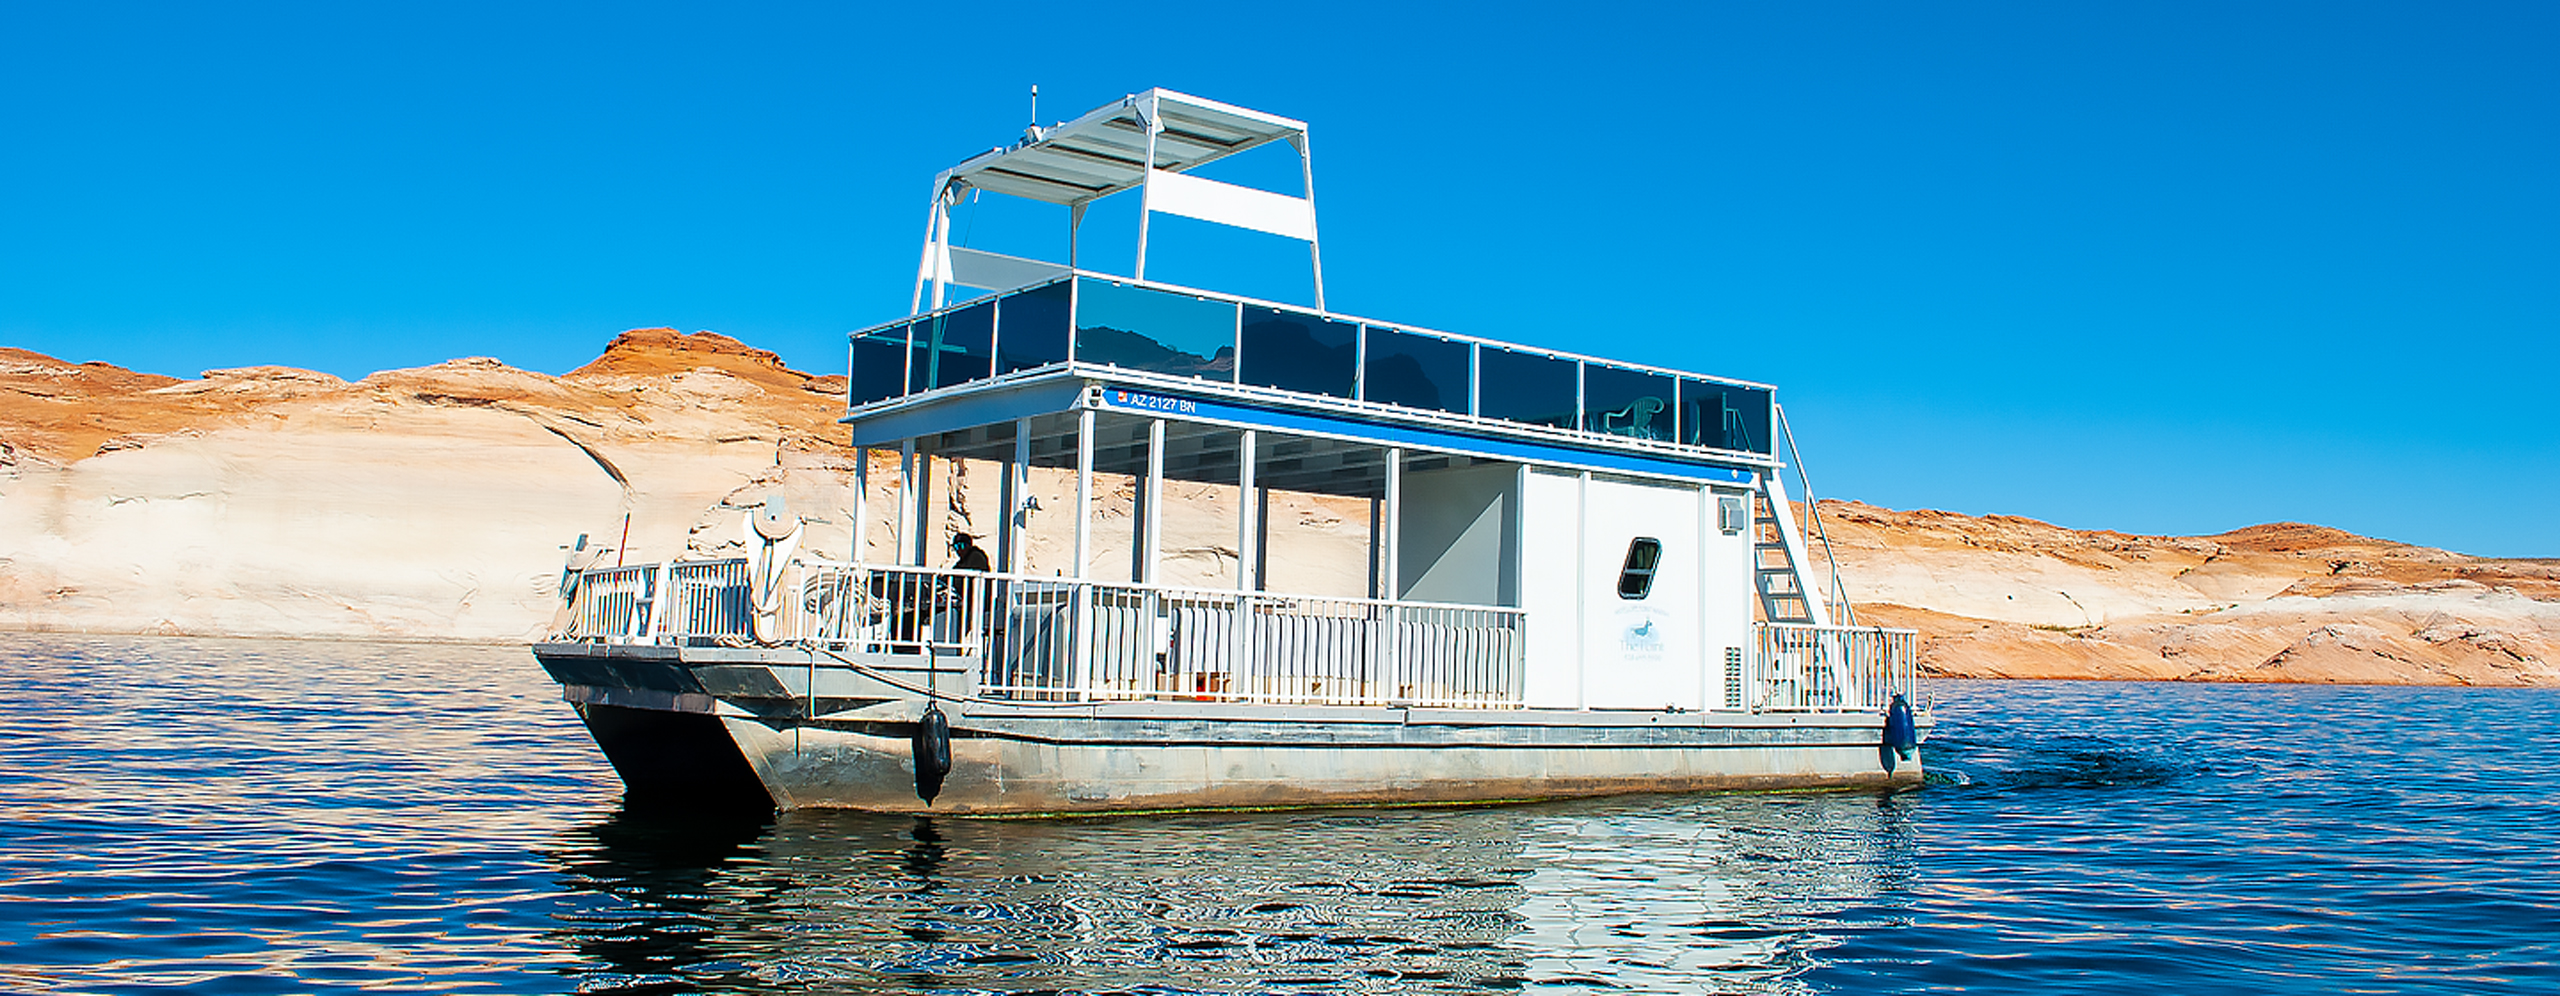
x=1032, y=132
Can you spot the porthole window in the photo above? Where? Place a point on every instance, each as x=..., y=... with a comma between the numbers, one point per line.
x=1635, y=580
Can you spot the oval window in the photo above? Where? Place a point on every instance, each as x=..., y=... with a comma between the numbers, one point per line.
x=1635, y=579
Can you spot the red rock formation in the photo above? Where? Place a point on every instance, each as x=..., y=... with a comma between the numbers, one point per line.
x=2002, y=596
x=430, y=502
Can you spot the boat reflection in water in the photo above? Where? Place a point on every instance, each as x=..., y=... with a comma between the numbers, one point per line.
x=1695, y=893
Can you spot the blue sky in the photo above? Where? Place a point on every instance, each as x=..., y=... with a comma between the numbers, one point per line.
x=2156, y=267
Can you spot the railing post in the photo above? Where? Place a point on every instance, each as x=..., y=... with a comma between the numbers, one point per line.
x=861, y=504
x=1080, y=611
x=1238, y=638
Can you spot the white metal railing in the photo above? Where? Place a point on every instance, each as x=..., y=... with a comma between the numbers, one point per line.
x=1799, y=667
x=1224, y=646
x=708, y=597
x=614, y=603
x=1063, y=640
x=1057, y=639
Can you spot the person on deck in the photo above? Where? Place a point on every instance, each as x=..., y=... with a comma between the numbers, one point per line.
x=967, y=555
x=971, y=596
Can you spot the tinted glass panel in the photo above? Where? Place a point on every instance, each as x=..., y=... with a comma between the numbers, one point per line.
x=1295, y=352
x=879, y=365
x=1153, y=330
x=1626, y=402
x=1525, y=387
x=1635, y=578
x=1725, y=416
x=1032, y=328
x=1416, y=371
x=953, y=347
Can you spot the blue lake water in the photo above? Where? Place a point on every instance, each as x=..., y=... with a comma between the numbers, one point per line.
x=265, y=816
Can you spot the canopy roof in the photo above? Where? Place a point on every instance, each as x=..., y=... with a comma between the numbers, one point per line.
x=1105, y=151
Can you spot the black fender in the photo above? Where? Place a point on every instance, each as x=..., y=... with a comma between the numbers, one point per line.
x=931, y=745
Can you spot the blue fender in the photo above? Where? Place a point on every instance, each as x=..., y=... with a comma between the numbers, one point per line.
x=1901, y=733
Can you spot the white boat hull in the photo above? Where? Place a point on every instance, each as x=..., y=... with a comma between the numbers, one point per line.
x=752, y=715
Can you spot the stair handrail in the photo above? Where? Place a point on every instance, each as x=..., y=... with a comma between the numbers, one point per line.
x=1847, y=614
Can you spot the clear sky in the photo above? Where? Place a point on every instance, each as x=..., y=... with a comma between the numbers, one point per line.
x=2158, y=267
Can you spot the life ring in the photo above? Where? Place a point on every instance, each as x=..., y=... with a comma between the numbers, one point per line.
x=931, y=745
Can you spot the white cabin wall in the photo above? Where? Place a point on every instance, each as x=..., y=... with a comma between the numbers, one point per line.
x=1459, y=541
x=1550, y=590
x=1725, y=594
x=1641, y=653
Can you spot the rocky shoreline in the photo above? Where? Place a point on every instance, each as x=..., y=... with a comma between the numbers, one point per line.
x=434, y=504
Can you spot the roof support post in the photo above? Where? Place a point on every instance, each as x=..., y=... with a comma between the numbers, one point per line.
x=925, y=519
x=1150, y=567
x=861, y=504
x=905, y=525
x=1084, y=489
x=1146, y=190
x=941, y=246
x=1391, y=530
x=1075, y=230
x=1315, y=250
x=927, y=267
x=1248, y=516
x=1017, y=485
x=1082, y=646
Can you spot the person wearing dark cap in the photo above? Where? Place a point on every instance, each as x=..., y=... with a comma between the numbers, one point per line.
x=968, y=557
x=969, y=595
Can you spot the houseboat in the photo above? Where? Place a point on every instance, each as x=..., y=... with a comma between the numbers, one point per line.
x=1580, y=576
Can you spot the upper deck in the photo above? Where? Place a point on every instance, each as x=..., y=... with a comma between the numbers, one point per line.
x=1085, y=325
x=1045, y=324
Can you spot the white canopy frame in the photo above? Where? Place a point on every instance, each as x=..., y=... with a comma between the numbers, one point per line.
x=1147, y=141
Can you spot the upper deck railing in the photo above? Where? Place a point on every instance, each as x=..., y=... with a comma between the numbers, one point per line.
x=1181, y=332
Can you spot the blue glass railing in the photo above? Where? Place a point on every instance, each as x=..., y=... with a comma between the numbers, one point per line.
x=1184, y=333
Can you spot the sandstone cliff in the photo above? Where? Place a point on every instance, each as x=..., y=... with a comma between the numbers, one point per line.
x=436, y=503
x=425, y=504
x=2001, y=596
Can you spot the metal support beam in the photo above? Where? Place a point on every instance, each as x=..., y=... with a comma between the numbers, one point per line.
x=1393, y=525
x=1248, y=517
x=1017, y=487
x=1146, y=190
x=1315, y=251
x=1083, y=607
x=861, y=504
x=925, y=554
x=925, y=264
x=1151, y=567
x=902, y=535
x=1084, y=489
x=1075, y=229
x=940, y=248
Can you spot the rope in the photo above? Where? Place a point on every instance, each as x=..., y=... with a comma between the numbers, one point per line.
x=932, y=695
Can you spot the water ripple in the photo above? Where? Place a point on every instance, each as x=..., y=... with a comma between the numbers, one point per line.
x=260, y=816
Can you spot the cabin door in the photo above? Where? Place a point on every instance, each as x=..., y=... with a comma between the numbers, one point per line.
x=1640, y=626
